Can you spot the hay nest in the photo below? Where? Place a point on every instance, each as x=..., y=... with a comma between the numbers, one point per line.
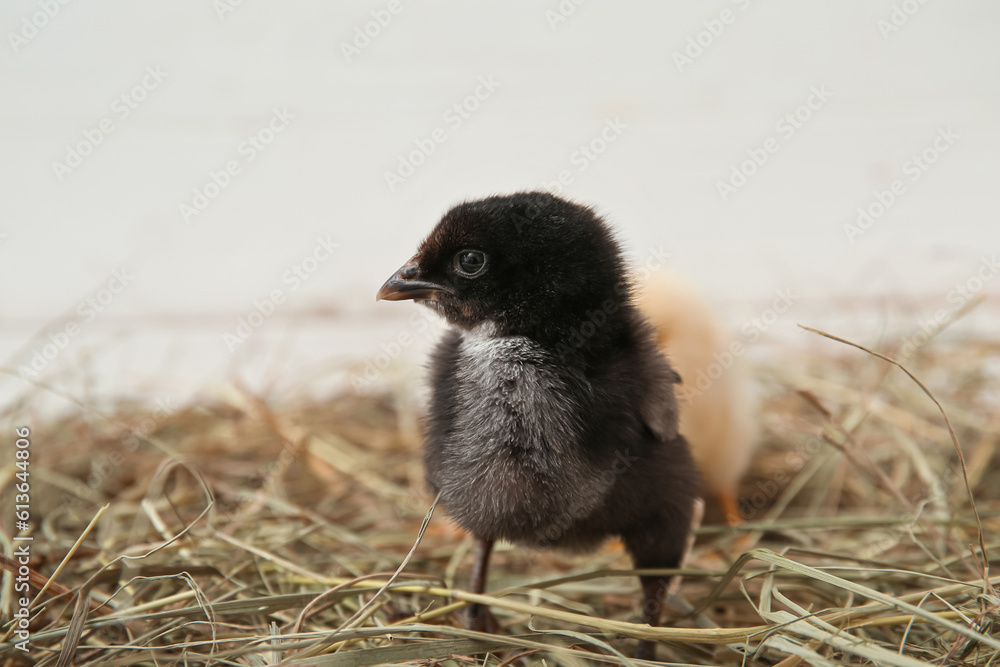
x=231, y=532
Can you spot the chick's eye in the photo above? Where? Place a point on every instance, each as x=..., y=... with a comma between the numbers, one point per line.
x=470, y=263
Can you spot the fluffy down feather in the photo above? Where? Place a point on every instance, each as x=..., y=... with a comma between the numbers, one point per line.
x=717, y=417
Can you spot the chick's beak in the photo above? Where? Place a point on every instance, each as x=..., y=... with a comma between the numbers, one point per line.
x=408, y=283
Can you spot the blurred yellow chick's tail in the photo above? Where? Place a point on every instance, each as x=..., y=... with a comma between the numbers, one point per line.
x=717, y=408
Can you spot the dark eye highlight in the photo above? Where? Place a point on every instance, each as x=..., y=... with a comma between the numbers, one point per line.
x=470, y=263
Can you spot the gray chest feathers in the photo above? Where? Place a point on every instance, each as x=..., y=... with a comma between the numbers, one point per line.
x=513, y=466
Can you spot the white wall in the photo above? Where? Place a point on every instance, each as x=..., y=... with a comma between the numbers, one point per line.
x=323, y=175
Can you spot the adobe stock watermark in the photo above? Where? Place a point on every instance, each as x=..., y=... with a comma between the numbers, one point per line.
x=224, y=8
x=785, y=127
x=564, y=516
x=424, y=324
x=229, y=510
x=364, y=35
x=913, y=169
x=295, y=276
x=568, y=513
x=102, y=466
x=750, y=332
x=701, y=41
x=87, y=311
x=454, y=117
x=33, y=23
x=586, y=154
x=121, y=108
x=578, y=336
x=248, y=150
x=958, y=297
x=778, y=479
x=415, y=503
x=563, y=11
x=935, y=495
x=891, y=537
x=900, y=15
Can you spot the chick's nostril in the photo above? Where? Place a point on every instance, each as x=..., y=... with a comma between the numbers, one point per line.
x=408, y=271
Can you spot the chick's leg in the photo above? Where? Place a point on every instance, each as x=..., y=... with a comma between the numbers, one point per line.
x=648, y=552
x=479, y=617
x=662, y=545
x=730, y=507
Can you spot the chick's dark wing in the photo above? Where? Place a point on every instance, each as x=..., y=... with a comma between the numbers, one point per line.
x=658, y=403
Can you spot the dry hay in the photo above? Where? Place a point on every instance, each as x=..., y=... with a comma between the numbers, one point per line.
x=232, y=532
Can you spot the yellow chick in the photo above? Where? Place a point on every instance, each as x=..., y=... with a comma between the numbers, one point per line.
x=718, y=414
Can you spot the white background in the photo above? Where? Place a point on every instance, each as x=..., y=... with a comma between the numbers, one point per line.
x=324, y=175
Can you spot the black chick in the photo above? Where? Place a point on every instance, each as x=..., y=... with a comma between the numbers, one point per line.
x=553, y=421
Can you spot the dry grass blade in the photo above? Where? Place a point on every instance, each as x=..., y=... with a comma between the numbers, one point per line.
x=69, y=554
x=395, y=575
x=798, y=568
x=587, y=639
x=951, y=432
